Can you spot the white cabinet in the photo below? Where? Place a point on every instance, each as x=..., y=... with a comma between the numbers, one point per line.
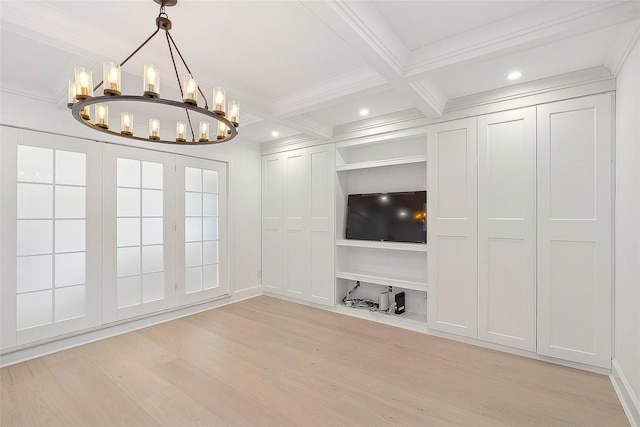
x=531, y=267
x=395, y=163
x=452, y=227
x=575, y=229
x=297, y=243
x=507, y=228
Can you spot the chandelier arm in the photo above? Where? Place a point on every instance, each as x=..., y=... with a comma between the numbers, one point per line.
x=129, y=57
x=206, y=103
x=175, y=68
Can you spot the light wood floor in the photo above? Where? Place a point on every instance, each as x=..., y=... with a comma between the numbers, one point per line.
x=269, y=362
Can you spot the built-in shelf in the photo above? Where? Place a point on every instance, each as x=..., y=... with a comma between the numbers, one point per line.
x=404, y=319
x=381, y=163
x=396, y=246
x=383, y=279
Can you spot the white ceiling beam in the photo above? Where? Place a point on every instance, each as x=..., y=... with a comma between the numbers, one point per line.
x=360, y=25
x=527, y=29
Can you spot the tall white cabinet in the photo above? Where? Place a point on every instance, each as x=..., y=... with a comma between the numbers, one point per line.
x=507, y=228
x=519, y=222
x=298, y=223
x=452, y=227
x=574, y=229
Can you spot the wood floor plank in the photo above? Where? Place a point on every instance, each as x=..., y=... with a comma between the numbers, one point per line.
x=40, y=400
x=99, y=399
x=265, y=361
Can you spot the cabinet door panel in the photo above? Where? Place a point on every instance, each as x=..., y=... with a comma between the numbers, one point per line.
x=452, y=227
x=507, y=228
x=272, y=239
x=322, y=223
x=297, y=264
x=574, y=230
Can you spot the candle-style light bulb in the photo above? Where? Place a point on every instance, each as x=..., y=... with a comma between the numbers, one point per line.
x=84, y=83
x=102, y=116
x=219, y=101
x=190, y=90
x=154, y=129
x=222, y=131
x=85, y=113
x=71, y=95
x=204, y=132
x=111, y=78
x=234, y=112
x=180, y=127
x=151, y=81
x=126, y=124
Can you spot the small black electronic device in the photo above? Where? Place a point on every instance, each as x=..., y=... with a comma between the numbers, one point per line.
x=400, y=303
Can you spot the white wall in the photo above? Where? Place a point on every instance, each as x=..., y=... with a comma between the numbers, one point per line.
x=627, y=221
x=244, y=176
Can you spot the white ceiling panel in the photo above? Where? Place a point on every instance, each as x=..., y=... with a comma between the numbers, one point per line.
x=304, y=67
x=420, y=23
x=377, y=104
x=541, y=62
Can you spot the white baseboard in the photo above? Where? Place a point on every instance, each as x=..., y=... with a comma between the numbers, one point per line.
x=31, y=351
x=628, y=399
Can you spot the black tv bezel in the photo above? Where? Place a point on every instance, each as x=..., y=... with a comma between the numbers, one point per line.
x=390, y=193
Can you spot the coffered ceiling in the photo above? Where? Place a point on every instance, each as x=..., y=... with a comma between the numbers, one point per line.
x=304, y=67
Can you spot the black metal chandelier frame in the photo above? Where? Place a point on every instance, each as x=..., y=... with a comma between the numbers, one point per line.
x=162, y=23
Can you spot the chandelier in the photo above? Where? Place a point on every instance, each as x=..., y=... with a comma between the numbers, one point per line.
x=223, y=115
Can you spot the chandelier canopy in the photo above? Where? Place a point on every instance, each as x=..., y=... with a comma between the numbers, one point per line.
x=223, y=115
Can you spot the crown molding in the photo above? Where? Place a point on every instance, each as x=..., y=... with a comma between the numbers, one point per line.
x=532, y=27
x=564, y=86
x=289, y=143
x=393, y=122
x=329, y=92
x=431, y=95
x=26, y=90
x=626, y=39
x=310, y=127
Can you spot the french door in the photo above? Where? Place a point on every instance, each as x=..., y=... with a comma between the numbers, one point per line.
x=201, y=229
x=139, y=237
x=51, y=235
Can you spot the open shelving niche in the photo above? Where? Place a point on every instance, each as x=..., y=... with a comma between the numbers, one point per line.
x=391, y=163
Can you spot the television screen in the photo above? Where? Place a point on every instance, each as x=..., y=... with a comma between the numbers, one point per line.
x=393, y=217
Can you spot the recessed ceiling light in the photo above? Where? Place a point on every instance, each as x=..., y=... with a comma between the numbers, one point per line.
x=514, y=75
x=275, y=133
x=364, y=112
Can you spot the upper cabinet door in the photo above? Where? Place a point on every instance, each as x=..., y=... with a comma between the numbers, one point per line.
x=507, y=228
x=452, y=227
x=272, y=222
x=322, y=224
x=574, y=230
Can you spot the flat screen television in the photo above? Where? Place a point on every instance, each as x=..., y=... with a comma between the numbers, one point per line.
x=392, y=217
